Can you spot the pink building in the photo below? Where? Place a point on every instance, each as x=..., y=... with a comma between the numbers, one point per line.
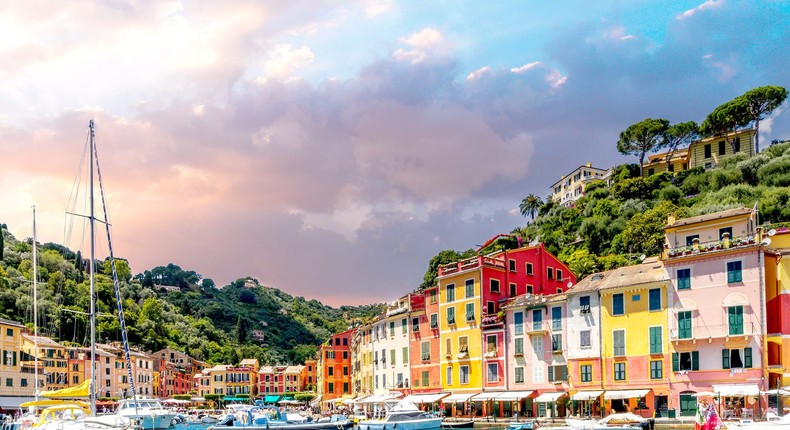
x=716, y=328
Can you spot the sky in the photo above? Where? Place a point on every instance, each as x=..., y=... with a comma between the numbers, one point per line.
x=331, y=148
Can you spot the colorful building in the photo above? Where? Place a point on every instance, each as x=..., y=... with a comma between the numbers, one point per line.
x=777, y=301
x=571, y=187
x=708, y=152
x=634, y=341
x=424, y=348
x=657, y=163
x=53, y=359
x=17, y=382
x=716, y=329
x=334, y=367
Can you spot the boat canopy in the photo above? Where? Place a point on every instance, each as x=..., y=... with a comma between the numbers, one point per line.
x=82, y=390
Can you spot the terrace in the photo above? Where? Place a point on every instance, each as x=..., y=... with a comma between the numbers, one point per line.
x=715, y=331
x=471, y=263
x=712, y=247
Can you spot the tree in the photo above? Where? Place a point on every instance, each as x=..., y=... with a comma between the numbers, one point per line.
x=241, y=330
x=677, y=135
x=640, y=138
x=725, y=120
x=530, y=205
x=2, y=244
x=760, y=103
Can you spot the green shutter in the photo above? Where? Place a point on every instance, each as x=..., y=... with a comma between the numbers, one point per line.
x=675, y=362
x=551, y=373
x=747, y=358
x=694, y=360
x=725, y=358
x=564, y=372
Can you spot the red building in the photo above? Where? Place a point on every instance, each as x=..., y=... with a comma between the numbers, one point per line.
x=334, y=366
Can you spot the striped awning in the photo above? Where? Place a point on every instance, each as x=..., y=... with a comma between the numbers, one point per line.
x=549, y=397
x=487, y=395
x=624, y=394
x=587, y=395
x=513, y=396
x=457, y=398
x=425, y=398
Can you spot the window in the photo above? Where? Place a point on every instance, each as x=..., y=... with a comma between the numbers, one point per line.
x=636, y=297
x=512, y=265
x=432, y=296
x=9, y=382
x=684, y=279
x=619, y=371
x=656, y=344
x=403, y=326
x=519, y=375
x=392, y=357
x=584, y=304
x=654, y=299
x=537, y=347
x=734, y=272
x=451, y=315
x=392, y=328
x=495, y=285
x=491, y=343
x=463, y=378
x=736, y=358
x=684, y=325
x=558, y=373
x=556, y=318
x=584, y=339
x=518, y=322
x=448, y=347
x=685, y=361
x=651, y=171
x=671, y=167
x=737, y=144
x=463, y=344
x=519, y=346
x=490, y=308
x=735, y=319
x=618, y=341
x=513, y=291
x=690, y=239
x=550, y=272
x=618, y=307
x=434, y=320
x=415, y=324
x=469, y=286
x=559, y=275
x=330, y=371
x=529, y=269
x=470, y=311
x=585, y=372
x=537, y=320
x=450, y=293
x=656, y=369
x=707, y=151
x=556, y=343
x=492, y=372
x=537, y=374
x=425, y=378
x=529, y=289
x=727, y=230
x=722, y=149
x=9, y=332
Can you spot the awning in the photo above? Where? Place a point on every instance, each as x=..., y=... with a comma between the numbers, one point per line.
x=235, y=399
x=587, y=395
x=513, y=396
x=316, y=400
x=624, y=394
x=735, y=299
x=457, y=398
x=549, y=397
x=736, y=389
x=379, y=398
x=271, y=399
x=425, y=398
x=488, y=395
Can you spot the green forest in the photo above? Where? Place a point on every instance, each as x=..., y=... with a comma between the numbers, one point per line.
x=611, y=226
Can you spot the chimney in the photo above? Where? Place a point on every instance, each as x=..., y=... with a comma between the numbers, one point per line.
x=671, y=219
x=588, y=164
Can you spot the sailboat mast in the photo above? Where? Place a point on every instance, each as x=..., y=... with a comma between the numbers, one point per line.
x=35, y=305
x=92, y=272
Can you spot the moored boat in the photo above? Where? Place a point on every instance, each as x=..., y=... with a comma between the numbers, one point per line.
x=403, y=416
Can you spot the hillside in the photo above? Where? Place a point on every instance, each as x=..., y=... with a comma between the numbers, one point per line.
x=166, y=306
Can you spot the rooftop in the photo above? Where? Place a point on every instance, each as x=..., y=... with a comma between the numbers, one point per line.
x=709, y=217
x=651, y=270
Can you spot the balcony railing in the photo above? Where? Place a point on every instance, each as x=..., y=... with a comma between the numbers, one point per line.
x=716, y=331
x=471, y=263
x=491, y=321
x=710, y=247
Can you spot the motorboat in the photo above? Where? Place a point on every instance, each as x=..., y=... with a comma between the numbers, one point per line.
x=405, y=416
x=150, y=414
x=625, y=420
x=256, y=418
x=774, y=422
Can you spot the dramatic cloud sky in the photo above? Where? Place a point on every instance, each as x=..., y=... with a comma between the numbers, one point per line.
x=330, y=148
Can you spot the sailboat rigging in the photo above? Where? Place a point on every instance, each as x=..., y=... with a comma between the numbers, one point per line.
x=35, y=307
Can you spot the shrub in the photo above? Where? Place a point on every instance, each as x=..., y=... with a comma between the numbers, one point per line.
x=775, y=205
x=632, y=207
x=695, y=184
x=778, y=150
x=775, y=172
x=750, y=166
x=634, y=188
x=671, y=193
x=682, y=175
x=731, y=160
x=720, y=178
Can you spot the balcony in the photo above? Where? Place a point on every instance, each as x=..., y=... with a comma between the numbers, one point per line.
x=537, y=329
x=491, y=321
x=717, y=331
x=709, y=248
x=471, y=263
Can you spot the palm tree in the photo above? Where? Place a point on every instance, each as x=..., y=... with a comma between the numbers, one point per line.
x=530, y=205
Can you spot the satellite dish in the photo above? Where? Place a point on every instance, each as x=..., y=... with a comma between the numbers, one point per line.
x=766, y=241
x=570, y=284
x=771, y=232
x=642, y=257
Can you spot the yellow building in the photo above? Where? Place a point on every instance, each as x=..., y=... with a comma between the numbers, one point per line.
x=16, y=381
x=217, y=375
x=657, y=163
x=242, y=379
x=634, y=341
x=708, y=152
x=460, y=336
x=53, y=356
x=777, y=299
